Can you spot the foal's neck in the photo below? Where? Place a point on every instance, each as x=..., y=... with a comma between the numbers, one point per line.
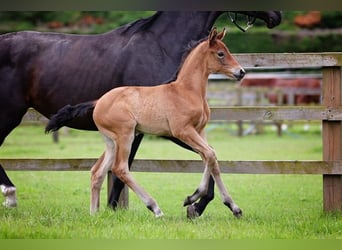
x=194, y=72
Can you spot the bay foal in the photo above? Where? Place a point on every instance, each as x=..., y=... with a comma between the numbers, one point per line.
x=178, y=109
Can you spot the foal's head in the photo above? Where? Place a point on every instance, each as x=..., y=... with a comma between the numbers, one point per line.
x=220, y=59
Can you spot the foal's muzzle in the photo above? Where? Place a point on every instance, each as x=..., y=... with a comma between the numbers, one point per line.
x=239, y=73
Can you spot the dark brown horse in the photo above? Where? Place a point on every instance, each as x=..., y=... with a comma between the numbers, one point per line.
x=47, y=71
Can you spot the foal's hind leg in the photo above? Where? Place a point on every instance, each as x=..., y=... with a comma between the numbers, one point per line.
x=118, y=185
x=193, y=139
x=120, y=169
x=98, y=173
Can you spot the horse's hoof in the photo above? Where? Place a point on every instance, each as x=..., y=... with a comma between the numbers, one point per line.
x=191, y=212
x=159, y=215
x=9, y=203
x=93, y=211
x=237, y=212
x=10, y=197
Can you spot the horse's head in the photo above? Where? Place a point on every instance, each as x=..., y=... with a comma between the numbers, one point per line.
x=220, y=59
x=271, y=18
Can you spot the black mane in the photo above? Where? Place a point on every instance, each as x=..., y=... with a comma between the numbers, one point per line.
x=140, y=25
x=144, y=24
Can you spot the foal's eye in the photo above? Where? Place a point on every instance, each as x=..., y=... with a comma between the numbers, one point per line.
x=220, y=54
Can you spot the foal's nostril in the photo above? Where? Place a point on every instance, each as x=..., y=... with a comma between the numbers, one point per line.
x=240, y=74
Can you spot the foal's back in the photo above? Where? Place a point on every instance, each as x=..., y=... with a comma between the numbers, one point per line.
x=146, y=109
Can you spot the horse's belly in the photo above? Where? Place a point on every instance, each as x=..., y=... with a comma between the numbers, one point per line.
x=156, y=125
x=153, y=131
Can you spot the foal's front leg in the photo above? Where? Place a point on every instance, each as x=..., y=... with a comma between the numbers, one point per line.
x=201, y=190
x=196, y=209
x=199, y=143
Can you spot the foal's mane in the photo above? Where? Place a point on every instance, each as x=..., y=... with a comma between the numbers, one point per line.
x=191, y=45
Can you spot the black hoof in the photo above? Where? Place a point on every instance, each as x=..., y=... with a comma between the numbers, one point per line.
x=237, y=213
x=191, y=212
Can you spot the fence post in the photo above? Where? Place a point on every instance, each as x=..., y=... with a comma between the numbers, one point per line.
x=123, y=199
x=239, y=93
x=332, y=138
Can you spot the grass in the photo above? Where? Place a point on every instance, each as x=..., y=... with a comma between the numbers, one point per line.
x=56, y=204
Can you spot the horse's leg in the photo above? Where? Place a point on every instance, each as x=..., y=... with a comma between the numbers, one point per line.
x=118, y=185
x=120, y=169
x=7, y=189
x=199, y=144
x=98, y=173
x=11, y=113
x=196, y=209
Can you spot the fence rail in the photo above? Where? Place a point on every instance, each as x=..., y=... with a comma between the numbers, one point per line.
x=182, y=166
x=262, y=113
x=330, y=113
x=290, y=60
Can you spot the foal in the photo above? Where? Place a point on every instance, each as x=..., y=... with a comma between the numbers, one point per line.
x=178, y=109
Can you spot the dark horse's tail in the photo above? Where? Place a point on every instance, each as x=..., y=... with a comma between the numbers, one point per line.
x=67, y=114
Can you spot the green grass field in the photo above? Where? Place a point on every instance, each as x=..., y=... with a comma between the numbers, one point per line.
x=56, y=204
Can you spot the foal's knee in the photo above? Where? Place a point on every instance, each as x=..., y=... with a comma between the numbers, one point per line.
x=211, y=160
x=210, y=157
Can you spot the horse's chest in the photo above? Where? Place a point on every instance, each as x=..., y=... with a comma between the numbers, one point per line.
x=201, y=117
x=205, y=118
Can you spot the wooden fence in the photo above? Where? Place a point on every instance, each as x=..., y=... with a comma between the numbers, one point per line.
x=330, y=113
x=257, y=96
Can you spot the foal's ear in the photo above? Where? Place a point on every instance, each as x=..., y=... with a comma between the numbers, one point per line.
x=212, y=36
x=221, y=34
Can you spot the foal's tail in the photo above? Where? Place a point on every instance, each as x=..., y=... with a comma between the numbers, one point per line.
x=67, y=114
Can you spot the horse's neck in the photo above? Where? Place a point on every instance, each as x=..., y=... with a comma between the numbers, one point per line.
x=182, y=28
x=197, y=21
x=194, y=73
x=167, y=35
